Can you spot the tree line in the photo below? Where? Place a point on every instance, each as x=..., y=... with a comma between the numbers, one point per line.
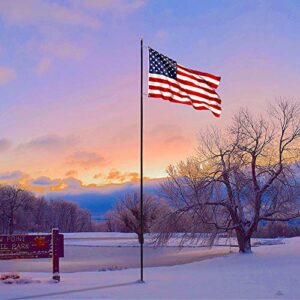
x=22, y=211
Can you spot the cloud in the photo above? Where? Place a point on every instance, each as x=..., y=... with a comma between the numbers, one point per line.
x=53, y=24
x=12, y=177
x=45, y=181
x=5, y=144
x=168, y=134
x=119, y=6
x=72, y=183
x=176, y=139
x=164, y=129
x=44, y=184
x=71, y=173
x=34, y=12
x=44, y=65
x=119, y=177
x=62, y=50
x=98, y=175
x=86, y=159
x=7, y=75
x=55, y=49
x=49, y=142
x=161, y=35
x=52, y=49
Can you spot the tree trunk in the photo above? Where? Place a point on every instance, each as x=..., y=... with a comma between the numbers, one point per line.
x=244, y=242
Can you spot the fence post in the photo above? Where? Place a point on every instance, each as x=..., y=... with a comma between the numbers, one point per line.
x=55, y=254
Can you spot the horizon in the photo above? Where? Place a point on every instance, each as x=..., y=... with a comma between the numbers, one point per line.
x=69, y=77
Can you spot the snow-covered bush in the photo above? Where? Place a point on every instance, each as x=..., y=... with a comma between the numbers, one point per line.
x=126, y=215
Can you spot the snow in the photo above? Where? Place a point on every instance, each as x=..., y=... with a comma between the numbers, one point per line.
x=271, y=272
x=120, y=239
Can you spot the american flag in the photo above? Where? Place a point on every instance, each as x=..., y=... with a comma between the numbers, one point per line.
x=173, y=82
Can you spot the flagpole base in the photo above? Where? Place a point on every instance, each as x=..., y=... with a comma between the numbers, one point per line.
x=140, y=281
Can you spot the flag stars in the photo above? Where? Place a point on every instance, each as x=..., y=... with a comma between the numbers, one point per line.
x=161, y=64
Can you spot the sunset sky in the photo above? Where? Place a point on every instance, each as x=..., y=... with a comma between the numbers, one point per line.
x=69, y=82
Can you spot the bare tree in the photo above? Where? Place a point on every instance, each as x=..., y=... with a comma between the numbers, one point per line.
x=69, y=217
x=239, y=177
x=12, y=199
x=125, y=216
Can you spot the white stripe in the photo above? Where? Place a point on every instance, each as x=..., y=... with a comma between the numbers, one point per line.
x=164, y=85
x=216, y=82
x=185, y=86
x=194, y=81
x=185, y=100
x=183, y=78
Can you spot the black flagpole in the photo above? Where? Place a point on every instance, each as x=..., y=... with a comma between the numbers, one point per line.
x=141, y=171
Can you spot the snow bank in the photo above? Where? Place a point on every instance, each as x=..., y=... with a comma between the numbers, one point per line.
x=271, y=272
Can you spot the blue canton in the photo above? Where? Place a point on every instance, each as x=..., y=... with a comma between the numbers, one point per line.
x=161, y=64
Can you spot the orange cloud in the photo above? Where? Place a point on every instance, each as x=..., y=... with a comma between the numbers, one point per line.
x=98, y=175
x=43, y=184
x=71, y=173
x=115, y=176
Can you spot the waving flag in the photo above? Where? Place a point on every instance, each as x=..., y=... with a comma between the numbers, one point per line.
x=170, y=81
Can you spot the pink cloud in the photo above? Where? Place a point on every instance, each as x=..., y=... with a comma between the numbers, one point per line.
x=86, y=159
x=49, y=142
x=7, y=75
x=62, y=49
x=44, y=65
x=33, y=12
x=5, y=144
x=120, y=6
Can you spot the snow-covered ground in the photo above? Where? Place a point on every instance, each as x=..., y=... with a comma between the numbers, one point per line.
x=271, y=272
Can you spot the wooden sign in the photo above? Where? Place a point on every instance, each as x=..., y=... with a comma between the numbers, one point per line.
x=26, y=246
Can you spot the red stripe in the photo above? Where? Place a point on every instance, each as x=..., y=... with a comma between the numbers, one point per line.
x=161, y=89
x=168, y=98
x=211, y=84
x=186, y=82
x=182, y=89
x=218, y=78
x=185, y=96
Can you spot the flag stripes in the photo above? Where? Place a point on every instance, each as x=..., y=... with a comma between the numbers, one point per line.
x=188, y=86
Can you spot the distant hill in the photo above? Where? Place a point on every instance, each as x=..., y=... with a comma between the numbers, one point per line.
x=101, y=199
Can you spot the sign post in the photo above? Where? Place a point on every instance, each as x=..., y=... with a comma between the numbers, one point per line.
x=29, y=246
x=55, y=254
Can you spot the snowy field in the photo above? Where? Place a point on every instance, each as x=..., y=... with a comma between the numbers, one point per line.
x=271, y=272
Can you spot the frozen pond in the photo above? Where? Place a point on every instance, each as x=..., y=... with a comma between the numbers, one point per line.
x=90, y=253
